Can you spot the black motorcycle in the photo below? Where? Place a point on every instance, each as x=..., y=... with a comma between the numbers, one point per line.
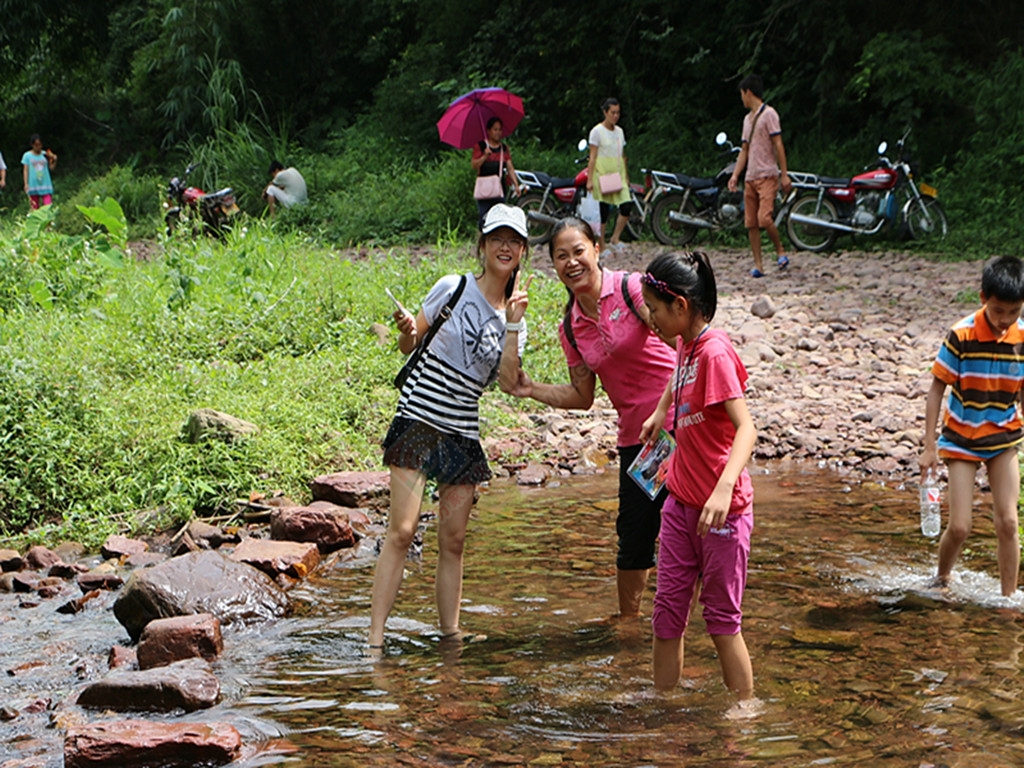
x=683, y=204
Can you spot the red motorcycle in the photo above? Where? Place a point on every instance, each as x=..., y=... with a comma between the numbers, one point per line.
x=214, y=210
x=820, y=208
x=548, y=199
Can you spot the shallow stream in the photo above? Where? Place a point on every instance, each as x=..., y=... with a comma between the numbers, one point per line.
x=855, y=661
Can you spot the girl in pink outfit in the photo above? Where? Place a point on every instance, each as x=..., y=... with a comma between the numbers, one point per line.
x=708, y=516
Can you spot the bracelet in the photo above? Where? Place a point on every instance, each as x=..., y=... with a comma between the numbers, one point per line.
x=517, y=326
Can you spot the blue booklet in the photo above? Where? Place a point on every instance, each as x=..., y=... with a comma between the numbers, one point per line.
x=650, y=468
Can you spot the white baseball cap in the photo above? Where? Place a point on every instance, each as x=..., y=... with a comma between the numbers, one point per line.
x=509, y=216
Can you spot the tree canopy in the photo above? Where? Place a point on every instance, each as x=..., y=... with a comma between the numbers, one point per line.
x=132, y=79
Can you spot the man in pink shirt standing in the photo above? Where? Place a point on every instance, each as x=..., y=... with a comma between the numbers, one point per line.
x=764, y=159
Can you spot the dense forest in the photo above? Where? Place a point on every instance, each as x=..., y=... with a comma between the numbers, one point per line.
x=144, y=83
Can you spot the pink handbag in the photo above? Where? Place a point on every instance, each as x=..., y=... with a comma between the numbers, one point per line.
x=489, y=187
x=610, y=183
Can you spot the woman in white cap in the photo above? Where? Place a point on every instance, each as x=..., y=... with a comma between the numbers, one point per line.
x=436, y=433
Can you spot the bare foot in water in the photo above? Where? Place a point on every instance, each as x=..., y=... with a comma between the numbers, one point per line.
x=461, y=636
x=747, y=709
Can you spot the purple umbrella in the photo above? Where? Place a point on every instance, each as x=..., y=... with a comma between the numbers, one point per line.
x=464, y=123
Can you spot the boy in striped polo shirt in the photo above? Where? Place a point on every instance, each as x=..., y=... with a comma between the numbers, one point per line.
x=982, y=361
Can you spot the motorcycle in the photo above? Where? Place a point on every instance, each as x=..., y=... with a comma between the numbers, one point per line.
x=683, y=204
x=548, y=199
x=215, y=210
x=885, y=195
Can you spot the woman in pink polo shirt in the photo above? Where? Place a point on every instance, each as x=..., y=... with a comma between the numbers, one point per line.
x=605, y=333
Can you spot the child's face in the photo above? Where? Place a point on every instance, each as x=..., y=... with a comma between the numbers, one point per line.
x=1001, y=315
x=670, y=319
x=37, y=146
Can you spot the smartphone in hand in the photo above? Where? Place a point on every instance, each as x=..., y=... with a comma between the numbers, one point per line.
x=398, y=304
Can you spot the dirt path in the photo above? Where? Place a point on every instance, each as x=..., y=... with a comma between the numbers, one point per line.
x=838, y=348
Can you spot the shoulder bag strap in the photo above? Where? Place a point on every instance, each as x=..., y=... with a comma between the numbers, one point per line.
x=445, y=313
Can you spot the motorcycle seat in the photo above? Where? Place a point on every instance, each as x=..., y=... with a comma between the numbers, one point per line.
x=834, y=181
x=693, y=182
x=219, y=193
x=554, y=182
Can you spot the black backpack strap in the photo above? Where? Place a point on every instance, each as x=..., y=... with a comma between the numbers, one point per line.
x=629, y=299
x=567, y=326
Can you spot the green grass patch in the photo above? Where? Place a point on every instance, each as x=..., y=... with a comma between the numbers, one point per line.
x=104, y=357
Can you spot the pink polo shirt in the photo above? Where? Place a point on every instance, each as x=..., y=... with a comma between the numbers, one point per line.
x=634, y=365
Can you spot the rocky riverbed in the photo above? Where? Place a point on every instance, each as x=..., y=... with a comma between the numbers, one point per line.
x=838, y=348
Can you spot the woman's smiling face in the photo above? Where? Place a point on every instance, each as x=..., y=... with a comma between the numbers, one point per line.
x=504, y=247
x=575, y=260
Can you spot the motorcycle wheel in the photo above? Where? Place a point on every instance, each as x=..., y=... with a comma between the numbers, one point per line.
x=539, y=232
x=667, y=231
x=811, y=237
x=926, y=220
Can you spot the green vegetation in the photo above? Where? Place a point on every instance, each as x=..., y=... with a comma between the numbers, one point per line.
x=104, y=357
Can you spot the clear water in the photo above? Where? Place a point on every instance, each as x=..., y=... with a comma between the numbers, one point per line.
x=855, y=660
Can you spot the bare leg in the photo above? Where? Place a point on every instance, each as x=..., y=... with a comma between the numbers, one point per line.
x=1004, y=477
x=961, y=493
x=406, y=498
x=453, y=517
x=755, y=247
x=631, y=585
x=667, y=662
x=773, y=235
x=735, y=661
x=620, y=224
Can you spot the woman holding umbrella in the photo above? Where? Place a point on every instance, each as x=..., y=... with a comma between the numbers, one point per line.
x=479, y=120
x=492, y=158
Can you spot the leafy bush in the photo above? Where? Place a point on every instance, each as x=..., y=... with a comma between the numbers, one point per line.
x=140, y=197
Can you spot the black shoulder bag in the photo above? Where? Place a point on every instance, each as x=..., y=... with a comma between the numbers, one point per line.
x=416, y=354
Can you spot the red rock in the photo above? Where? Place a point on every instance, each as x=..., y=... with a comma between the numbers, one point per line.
x=40, y=558
x=137, y=743
x=145, y=559
x=534, y=474
x=165, y=641
x=200, y=582
x=274, y=557
x=117, y=546
x=353, y=489
x=120, y=656
x=25, y=581
x=186, y=685
x=10, y=560
x=76, y=605
x=326, y=525
x=64, y=570
x=99, y=580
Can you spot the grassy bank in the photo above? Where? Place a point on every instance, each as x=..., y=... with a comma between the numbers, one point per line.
x=104, y=357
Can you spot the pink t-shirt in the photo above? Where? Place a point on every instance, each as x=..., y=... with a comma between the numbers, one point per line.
x=634, y=365
x=703, y=430
x=761, y=161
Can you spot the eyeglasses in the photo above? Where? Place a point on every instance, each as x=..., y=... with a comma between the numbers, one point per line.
x=501, y=242
x=659, y=285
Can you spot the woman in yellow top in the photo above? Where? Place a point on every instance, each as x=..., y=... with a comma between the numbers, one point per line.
x=607, y=144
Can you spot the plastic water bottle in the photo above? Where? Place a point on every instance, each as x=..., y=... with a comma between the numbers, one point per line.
x=931, y=495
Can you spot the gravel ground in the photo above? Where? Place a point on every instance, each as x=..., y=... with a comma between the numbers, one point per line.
x=838, y=348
